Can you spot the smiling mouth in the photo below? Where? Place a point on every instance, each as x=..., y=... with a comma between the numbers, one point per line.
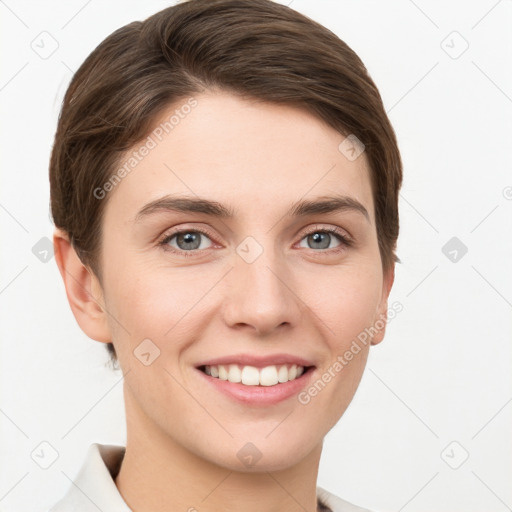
x=270, y=375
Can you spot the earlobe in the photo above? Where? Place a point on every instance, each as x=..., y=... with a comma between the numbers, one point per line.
x=83, y=290
x=382, y=313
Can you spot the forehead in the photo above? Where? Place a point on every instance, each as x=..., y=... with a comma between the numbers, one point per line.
x=259, y=157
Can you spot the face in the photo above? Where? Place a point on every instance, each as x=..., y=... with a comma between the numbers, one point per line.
x=265, y=285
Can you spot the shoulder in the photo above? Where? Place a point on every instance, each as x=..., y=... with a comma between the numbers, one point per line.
x=337, y=504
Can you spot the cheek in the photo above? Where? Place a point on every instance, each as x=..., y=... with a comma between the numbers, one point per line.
x=145, y=302
x=133, y=302
x=348, y=309
x=346, y=301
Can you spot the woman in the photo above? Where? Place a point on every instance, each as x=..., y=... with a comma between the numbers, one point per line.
x=224, y=186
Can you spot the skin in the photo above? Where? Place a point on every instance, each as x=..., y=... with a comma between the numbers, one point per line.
x=182, y=434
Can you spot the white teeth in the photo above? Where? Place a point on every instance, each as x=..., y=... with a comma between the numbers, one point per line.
x=223, y=373
x=282, y=374
x=252, y=376
x=268, y=376
x=234, y=373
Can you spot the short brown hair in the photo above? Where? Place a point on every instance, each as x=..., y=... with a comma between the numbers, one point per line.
x=255, y=48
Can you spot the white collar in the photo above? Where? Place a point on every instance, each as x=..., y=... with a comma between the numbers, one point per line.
x=94, y=488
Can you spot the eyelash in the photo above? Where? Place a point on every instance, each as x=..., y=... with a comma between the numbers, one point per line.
x=344, y=239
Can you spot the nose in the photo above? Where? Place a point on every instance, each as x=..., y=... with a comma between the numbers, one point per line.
x=260, y=295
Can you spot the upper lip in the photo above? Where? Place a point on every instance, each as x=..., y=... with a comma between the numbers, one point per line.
x=258, y=361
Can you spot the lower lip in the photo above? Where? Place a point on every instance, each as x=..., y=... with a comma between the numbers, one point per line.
x=260, y=395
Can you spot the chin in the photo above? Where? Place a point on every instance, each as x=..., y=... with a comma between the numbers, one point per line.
x=259, y=453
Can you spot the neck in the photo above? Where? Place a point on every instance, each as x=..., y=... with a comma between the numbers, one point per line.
x=158, y=474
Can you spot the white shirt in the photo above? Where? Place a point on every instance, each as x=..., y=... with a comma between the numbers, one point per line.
x=94, y=487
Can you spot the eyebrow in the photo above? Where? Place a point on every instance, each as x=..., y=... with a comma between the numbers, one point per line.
x=324, y=204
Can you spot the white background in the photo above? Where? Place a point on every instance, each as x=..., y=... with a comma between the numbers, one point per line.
x=442, y=374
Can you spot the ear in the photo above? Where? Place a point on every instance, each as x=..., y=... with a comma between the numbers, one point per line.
x=382, y=311
x=84, y=292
